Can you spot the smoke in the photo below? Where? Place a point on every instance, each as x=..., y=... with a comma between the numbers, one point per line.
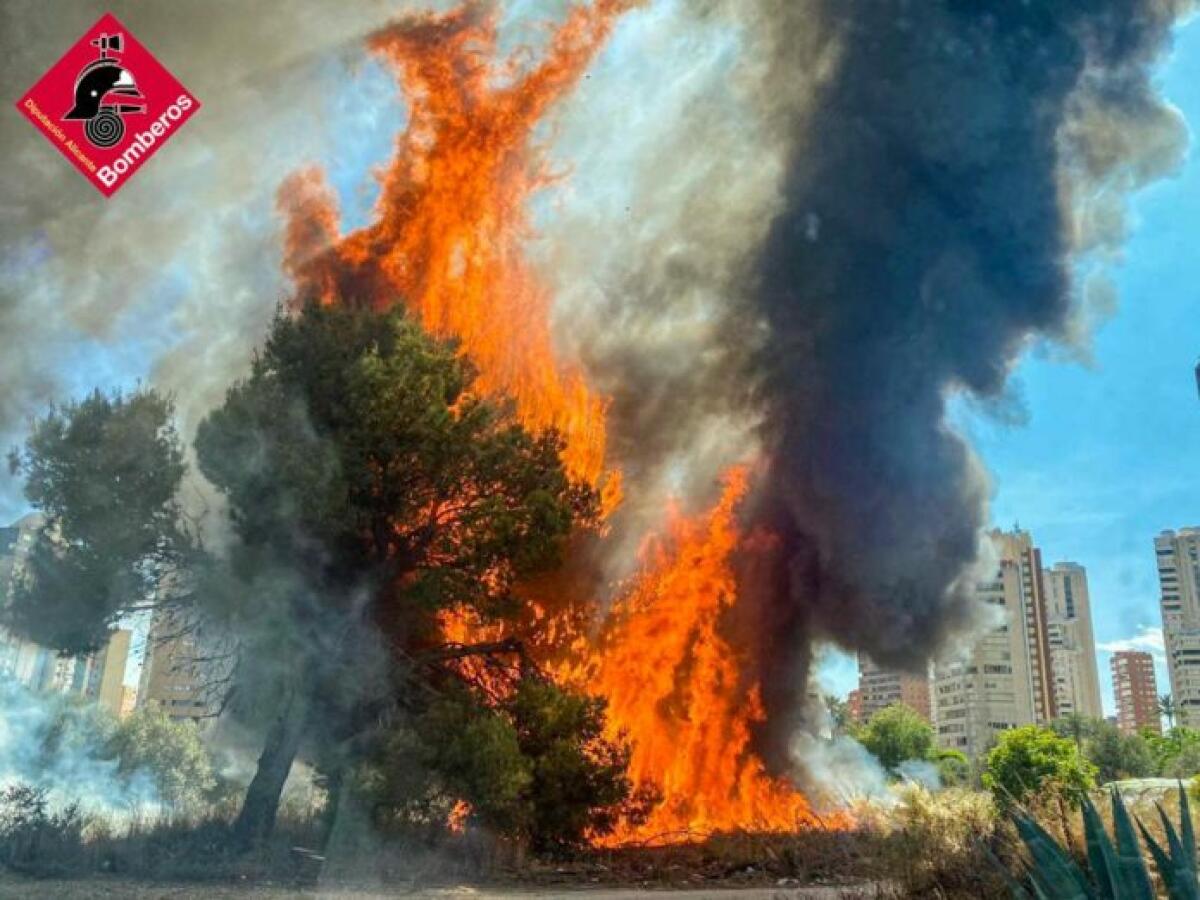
x=175, y=278
x=50, y=743
x=816, y=222
x=944, y=182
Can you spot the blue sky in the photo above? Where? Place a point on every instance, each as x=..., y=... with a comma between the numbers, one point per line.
x=1110, y=452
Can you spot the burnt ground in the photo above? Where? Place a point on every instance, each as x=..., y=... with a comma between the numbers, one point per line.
x=103, y=888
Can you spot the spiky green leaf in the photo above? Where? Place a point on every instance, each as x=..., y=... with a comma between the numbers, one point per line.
x=1054, y=871
x=1135, y=878
x=1162, y=860
x=1181, y=879
x=1014, y=887
x=1101, y=856
x=1187, y=833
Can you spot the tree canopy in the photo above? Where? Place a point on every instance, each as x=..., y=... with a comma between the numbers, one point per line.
x=895, y=734
x=105, y=474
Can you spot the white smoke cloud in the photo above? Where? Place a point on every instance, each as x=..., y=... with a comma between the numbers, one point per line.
x=48, y=742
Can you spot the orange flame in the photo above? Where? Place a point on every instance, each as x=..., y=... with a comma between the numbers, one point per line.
x=447, y=239
x=676, y=687
x=451, y=221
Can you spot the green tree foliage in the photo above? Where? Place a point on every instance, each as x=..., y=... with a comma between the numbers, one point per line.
x=578, y=785
x=104, y=472
x=1176, y=754
x=895, y=734
x=953, y=767
x=839, y=714
x=365, y=482
x=355, y=434
x=1076, y=726
x=169, y=752
x=535, y=766
x=1117, y=756
x=1032, y=760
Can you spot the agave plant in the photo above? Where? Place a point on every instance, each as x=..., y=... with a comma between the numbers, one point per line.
x=1116, y=868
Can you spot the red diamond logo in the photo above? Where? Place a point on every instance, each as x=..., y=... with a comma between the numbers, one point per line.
x=108, y=105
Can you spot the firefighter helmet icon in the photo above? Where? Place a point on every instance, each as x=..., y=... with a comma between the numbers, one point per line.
x=105, y=92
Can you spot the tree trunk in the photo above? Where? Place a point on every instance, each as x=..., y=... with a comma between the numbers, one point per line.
x=256, y=820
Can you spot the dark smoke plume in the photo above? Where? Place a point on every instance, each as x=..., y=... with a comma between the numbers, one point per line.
x=946, y=176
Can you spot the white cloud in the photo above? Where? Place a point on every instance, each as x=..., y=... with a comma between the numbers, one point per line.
x=1149, y=639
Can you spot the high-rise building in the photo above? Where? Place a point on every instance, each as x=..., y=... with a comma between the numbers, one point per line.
x=854, y=705
x=106, y=680
x=128, y=701
x=32, y=665
x=20, y=659
x=1076, y=680
x=175, y=675
x=1005, y=679
x=879, y=687
x=1178, y=555
x=1136, y=691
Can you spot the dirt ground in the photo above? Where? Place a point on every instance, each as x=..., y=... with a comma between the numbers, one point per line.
x=119, y=889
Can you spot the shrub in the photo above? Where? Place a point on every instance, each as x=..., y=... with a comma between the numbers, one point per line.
x=170, y=753
x=1032, y=760
x=896, y=734
x=35, y=839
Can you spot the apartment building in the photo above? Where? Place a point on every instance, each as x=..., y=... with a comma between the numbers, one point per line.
x=178, y=675
x=1075, y=675
x=1178, y=558
x=879, y=687
x=1136, y=691
x=1006, y=679
x=854, y=705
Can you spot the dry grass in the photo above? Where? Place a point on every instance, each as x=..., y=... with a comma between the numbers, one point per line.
x=927, y=845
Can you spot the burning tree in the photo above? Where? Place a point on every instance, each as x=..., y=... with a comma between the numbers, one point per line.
x=372, y=492
x=369, y=493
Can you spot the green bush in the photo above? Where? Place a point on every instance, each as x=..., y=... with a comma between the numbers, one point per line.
x=896, y=734
x=1176, y=754
x=953, y=767
x=1032, y=760
x=170, y=753
x=35, y=839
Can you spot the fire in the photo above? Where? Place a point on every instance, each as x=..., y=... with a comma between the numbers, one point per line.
x=459, y=814
x=447, y=238
x=450, y=224
x=675, y=686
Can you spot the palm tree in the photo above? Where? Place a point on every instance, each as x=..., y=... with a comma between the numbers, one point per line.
x=1166, y=709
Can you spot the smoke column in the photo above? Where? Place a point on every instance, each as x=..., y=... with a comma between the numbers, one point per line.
x=948, y=175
